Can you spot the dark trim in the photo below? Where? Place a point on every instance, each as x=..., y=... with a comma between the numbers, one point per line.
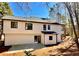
x=33, y=21
x=47, y=45
x=48, y=32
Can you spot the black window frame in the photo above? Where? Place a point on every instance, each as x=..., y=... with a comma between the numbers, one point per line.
x=29, y=26
x=49, y=28
x=35, y=39
x=25, y=26
x=50, y=37
x=15, y=23
x=44, y=27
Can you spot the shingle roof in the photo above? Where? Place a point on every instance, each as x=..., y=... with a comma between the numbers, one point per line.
x=29, y=19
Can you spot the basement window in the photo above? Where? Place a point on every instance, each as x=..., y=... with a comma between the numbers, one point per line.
x=14, y=24
x=50, y=38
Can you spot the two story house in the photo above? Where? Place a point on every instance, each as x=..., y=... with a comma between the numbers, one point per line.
x=18, y=30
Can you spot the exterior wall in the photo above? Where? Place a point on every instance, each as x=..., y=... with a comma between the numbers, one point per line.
x=21, y=28
x=19, y=35
x=49, y=42
x=42, y=38
x=59, y=38
x=37, y=28
x=15, y=39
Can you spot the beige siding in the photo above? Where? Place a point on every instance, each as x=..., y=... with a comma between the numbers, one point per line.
x=59, y=38
x=48, y=42
x=14, y=39
x=42, y=38
x=37, y=28
x=21, y=28
x=19, y=35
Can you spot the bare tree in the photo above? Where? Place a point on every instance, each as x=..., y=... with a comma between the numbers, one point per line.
x=76, y=16
x=71, y=13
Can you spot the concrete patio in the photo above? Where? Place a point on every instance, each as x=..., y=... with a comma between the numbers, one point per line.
x=26, y=46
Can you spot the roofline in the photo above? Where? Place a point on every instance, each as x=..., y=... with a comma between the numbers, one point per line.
x=32, y=21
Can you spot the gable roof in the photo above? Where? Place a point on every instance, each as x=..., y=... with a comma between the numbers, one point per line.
x=30, y=19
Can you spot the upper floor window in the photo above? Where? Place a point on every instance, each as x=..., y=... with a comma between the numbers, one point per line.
x=28, y=26
x=14, y=24
x=48, y=27
x=44, y=27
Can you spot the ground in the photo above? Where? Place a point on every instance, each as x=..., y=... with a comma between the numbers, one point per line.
x=26, y=46
x=65, y=48
x=18, y=50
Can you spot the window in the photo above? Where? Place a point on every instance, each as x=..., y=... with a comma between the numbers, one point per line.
x=28, y=26
x=0, y=26
x=48, y=27
x=50, y=37
x=44, y=27
x=35, y=39
x=25, y=26
x=14, y=24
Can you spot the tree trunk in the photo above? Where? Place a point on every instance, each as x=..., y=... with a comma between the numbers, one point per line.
x=72, y=22
x=76, y=15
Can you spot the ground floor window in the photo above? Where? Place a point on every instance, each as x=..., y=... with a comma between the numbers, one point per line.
x=50, y=38
x=37, y=39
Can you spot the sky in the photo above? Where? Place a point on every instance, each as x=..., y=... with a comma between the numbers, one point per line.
x=36, y=9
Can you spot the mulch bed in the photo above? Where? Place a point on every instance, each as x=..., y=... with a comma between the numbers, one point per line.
x=4, y=48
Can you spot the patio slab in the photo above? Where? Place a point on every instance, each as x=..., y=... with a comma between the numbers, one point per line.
x=26, y=46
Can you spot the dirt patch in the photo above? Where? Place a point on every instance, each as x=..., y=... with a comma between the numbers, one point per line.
x=65, y=48
x=13, y=53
